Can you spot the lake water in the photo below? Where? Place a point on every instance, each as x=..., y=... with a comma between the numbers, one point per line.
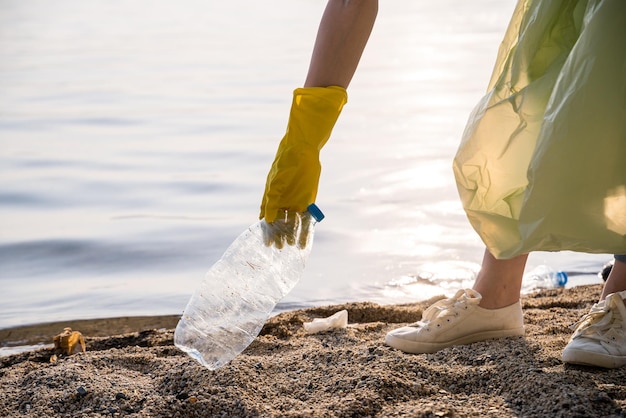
x=135, y=138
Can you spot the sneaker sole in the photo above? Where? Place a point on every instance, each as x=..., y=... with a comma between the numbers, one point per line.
x=414, y=347
x=587, y=358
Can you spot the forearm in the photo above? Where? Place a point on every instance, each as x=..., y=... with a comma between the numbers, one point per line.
x=343, y=33
x=293, y=178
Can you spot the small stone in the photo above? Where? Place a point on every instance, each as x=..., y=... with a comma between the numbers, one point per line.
x=121, y=395
x=26, y=407
x=81, y=391
x=193, y=399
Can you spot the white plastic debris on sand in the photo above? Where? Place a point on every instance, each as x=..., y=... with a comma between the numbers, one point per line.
x=338, y=320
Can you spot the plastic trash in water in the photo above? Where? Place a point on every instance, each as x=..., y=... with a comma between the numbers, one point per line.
x=543, y=277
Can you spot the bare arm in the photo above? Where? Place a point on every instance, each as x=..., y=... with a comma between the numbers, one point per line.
x=293, y=179
x=343, y=33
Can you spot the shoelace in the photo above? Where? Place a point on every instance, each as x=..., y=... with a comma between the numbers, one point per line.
x=601, y=323
x=446, y=307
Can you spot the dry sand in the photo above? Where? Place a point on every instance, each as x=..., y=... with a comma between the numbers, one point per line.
x=344, y=373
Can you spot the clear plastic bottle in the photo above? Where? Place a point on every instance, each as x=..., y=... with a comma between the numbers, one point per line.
x=240, y=291
x=543, y=277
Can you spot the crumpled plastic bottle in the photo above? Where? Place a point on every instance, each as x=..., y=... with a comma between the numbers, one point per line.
x=240, y=291
x=543, y=277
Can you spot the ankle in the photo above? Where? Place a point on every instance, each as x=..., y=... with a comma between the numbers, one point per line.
x=497, y=294
x=498, y=302
x=616, y=282
x=499, y=281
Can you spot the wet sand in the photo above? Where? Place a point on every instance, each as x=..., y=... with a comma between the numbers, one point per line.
x=131, y=368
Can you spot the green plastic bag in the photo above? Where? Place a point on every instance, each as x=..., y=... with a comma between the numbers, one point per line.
x=542, y=163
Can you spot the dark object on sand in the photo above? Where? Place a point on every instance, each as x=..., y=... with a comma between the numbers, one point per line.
x=606, y=269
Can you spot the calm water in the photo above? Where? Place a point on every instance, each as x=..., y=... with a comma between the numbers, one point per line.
x=135, y=138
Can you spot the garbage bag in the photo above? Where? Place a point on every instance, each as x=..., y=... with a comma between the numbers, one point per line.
x=542, y=162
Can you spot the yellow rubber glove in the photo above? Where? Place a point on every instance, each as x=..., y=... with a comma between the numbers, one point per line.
x=294, y=176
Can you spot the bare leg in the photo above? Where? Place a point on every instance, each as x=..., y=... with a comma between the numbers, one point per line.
x=616, y=282
x=500, y=281
x=343, y=33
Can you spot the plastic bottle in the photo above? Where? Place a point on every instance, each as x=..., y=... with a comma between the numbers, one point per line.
x=543, y=277
x=240, y=291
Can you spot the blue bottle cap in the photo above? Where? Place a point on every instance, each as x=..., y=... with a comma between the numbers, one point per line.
x=561, y=278
x=315, y=212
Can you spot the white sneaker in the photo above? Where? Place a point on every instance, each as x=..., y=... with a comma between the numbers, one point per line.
x=600, y=336
x=456, y=321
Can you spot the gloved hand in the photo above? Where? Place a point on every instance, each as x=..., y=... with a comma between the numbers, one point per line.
x=291, y=228
x=293, y=179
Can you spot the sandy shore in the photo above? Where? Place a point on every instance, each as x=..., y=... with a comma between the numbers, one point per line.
x=344, y=373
